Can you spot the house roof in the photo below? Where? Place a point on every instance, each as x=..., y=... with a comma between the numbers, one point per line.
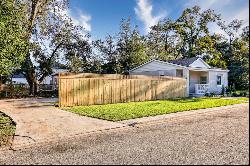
x=19, y=75
x=184, y=62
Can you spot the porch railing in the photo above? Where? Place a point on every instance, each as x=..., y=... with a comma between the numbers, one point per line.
x=201, y=88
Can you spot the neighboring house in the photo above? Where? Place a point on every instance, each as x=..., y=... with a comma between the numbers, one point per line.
x=19, y=79
x=54, y=77
x=201, y=78
x=49, y=80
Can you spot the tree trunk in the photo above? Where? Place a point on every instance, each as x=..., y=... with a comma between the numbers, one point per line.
x=1, y=82
x=30, y=74
x=31, y=88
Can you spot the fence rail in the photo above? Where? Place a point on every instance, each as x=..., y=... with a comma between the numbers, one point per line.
x=89, y=89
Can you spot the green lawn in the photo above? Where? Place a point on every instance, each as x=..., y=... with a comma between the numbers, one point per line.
x=7, y=129
x=124, y=111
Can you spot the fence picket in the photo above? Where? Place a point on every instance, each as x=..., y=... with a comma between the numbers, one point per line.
x=89, y=89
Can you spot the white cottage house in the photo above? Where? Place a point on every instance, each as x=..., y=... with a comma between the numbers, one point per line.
x=201, y=78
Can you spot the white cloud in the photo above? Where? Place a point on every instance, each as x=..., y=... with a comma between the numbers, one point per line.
x=143, y=11
x=83, y=20
x=79, y=19
x=223, y=7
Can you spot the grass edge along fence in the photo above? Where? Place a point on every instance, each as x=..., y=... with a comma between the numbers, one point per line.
x=92, y=89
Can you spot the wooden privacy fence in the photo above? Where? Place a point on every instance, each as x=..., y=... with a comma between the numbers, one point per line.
x=89, y=89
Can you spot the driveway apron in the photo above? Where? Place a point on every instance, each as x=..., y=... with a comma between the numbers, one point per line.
x=37, y=120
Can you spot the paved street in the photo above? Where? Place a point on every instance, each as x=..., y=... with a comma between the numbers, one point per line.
x=210, y=138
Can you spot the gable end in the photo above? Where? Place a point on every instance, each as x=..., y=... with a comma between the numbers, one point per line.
x=200, y=63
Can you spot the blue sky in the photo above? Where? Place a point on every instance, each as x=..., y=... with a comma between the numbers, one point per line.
x=102, y=17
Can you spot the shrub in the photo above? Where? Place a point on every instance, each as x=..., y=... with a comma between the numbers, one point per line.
x=230, y=90
x=243, y=94
x=48, y=93
x=207, y=94
x=223, y=90
x=212, y=94
x=235, y=94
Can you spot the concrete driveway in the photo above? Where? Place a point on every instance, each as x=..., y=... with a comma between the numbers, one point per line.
x=37, y=120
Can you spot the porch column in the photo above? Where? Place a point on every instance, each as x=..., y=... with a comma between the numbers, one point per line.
x=186, y=76
x=208, y=81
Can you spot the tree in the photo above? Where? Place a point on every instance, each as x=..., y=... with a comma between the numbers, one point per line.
x=231, y=29
x=78, y=54
x=163, y=41
x=155, y=42
x=51, y=34
x=138, y=49
x=131, y=47
x=239, y=61
x=193, y=25
x=37, y=11
x=108, y=50
x=206, y=47
x=13, y=43
x=236, y=53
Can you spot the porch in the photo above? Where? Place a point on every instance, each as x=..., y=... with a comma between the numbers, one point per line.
x=198, y=82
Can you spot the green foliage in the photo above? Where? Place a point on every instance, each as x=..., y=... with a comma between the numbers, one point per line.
x=230, y=89
x=223, y=90
x=108, y=50
x=192, y=26
x=236, y=54
x=7, y=129
x=130, y=47
x=124, y=111
x=13, y=41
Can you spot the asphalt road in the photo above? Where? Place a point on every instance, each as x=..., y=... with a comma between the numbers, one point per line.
x=220, y=138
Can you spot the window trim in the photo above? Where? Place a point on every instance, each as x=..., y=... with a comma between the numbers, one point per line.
x=219, y=75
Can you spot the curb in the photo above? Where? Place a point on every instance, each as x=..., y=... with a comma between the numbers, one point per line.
x=178, y=118
x=188, y=113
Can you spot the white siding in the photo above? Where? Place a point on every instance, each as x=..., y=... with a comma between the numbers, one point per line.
x=19, y=81
x=47, y=80
x=213, y=87
x=155, y=69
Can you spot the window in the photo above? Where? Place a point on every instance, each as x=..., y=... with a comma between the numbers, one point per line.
x=219, y=80
x=203, y=80
x=179, y=73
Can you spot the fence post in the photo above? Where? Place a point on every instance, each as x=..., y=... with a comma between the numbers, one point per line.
x=59, y=89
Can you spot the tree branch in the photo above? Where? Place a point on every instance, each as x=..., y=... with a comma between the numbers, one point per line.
x=49, y=61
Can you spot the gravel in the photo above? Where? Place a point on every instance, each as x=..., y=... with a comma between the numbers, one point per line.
x=219, y=138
